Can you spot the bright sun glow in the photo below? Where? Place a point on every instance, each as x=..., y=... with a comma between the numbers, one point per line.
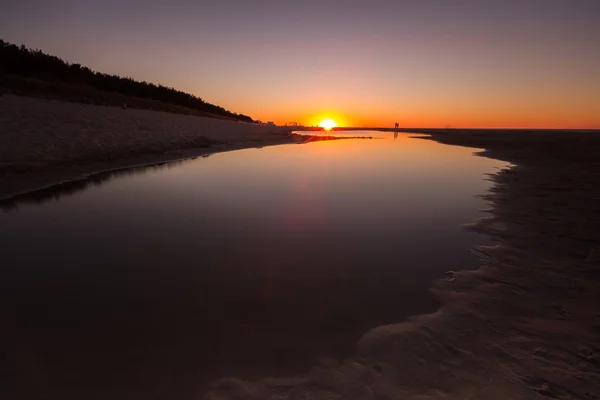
x=327, y=124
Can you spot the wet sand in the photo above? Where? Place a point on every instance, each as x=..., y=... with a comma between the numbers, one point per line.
x=46, y=142
x=523, y=326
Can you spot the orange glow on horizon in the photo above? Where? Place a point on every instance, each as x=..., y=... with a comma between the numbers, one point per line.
x=449, y=119
x=432, y=109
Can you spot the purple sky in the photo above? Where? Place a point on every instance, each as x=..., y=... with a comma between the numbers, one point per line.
x=425, y=62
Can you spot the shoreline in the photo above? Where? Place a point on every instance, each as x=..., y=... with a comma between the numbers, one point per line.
x=22, y=183
x=25, y=183
x=522, y=326
x=49, y=142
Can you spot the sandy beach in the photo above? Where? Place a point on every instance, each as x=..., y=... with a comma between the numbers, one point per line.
x=169, y=230
x=44, y=142
x=523, y=326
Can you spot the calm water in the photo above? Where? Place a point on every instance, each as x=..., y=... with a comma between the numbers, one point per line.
x=153, y=283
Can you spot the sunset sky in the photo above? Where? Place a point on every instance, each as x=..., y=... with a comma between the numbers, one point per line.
x=427, y=63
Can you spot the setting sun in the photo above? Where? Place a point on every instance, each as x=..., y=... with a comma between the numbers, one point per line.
x=327, y=124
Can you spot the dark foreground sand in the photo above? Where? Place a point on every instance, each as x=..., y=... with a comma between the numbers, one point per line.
x=524, y=326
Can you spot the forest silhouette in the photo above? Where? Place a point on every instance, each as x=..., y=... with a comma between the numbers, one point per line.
x=33, y=73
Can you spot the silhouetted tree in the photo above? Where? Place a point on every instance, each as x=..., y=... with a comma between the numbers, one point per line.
x=22, y=62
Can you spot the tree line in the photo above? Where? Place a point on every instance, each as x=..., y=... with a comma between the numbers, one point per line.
x=19, y=61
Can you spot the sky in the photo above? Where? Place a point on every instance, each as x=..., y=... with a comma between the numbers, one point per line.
x=421, y=63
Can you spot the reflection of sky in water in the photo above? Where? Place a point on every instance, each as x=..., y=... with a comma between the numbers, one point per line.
x=251, y=263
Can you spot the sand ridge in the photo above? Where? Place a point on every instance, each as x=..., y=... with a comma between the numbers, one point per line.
x=45, y=142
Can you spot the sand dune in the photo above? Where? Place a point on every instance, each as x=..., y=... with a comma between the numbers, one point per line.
x=37, y=133
x=59, y=140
